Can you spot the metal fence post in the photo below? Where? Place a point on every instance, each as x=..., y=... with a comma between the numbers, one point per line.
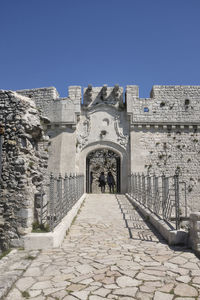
x=51, y=203
x=65, y=195
x=143, y=190
x=132, y=183
x=41, y=206
x=75, y=187
x=154, y=192
x=136, y=194
x=163, y=195
x=148, y=191
x=176, y=186
x=70, y=191
x=139, y=188
x=59, y=199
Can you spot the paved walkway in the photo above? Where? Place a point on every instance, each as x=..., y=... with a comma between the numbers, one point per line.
x=98, y=260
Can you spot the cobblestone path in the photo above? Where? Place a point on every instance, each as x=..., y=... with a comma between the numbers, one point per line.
x=98, y=260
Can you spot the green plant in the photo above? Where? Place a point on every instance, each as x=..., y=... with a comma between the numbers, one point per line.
x=37, y=227
x=162, y=104
x=30, y=257
x=31, y=164
x=25, y=294
x=4, y=253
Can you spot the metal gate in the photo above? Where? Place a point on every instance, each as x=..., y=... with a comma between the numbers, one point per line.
x=102, y=160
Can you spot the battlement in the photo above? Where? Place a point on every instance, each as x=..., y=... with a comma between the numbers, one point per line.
x=167, y=104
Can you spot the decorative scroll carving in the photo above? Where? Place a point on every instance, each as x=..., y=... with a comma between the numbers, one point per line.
x=83, y=133
x=121, y=137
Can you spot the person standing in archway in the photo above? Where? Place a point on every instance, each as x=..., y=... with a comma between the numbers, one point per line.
x=111, y=182
x=91, y=181
x=102, y=182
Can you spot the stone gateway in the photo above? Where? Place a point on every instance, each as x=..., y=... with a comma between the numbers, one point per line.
x=103, y=130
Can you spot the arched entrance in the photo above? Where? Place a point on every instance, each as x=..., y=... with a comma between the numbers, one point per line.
x=102, y=160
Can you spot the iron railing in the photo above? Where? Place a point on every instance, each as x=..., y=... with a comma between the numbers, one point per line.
x=160, y=194
x=59, y=199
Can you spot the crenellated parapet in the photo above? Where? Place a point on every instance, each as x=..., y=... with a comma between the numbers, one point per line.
x=64, y=111
x=60, y=111
x=169, y=105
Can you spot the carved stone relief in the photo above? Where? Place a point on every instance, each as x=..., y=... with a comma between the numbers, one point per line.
x=102, y=125
x=83, y=132
x=122, y=138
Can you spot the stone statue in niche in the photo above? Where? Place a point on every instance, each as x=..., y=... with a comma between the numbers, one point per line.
x=82, y=134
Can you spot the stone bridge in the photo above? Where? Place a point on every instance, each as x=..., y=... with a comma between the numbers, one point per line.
x=110, y=252
x=92, y=130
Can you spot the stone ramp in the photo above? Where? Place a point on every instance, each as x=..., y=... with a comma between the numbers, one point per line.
x=98, y=260
x=138, y=227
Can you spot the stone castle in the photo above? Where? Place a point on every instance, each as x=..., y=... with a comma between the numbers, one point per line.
x=105, y=129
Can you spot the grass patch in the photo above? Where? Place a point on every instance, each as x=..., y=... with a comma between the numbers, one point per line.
x=4, y=253
x=39, y=228
x=30, y=257
x=25, y=294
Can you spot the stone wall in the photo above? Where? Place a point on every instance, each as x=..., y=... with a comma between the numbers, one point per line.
x=168, y=104
x=160, y=150
x=24, y=163
x=165, y=134
x=58, y=110
x=43, y=98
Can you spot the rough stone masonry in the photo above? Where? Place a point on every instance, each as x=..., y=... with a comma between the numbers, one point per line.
x=24, y=164
x=42, y=133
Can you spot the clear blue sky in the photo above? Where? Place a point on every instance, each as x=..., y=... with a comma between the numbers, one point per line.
x=77, y=42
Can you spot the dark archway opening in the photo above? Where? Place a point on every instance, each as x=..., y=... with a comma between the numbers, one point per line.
x=102, y=160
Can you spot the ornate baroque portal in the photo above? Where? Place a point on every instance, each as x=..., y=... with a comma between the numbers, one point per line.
x=102, y=137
